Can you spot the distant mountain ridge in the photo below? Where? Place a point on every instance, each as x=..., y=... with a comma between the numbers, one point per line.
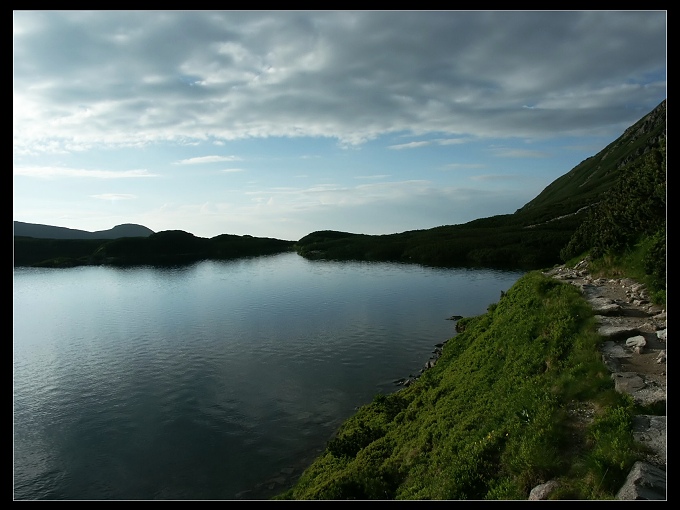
x=39, y=231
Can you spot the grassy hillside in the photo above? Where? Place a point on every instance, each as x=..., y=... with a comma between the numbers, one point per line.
x=492, y=419
x=586, y=183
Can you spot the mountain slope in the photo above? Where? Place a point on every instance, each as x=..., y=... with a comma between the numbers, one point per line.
x=586, y=183
x=39, y=231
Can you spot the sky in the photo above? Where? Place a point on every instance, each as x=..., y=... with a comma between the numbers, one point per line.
x=282, y=123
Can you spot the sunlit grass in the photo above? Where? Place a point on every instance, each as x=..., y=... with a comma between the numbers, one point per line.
x=491, y=419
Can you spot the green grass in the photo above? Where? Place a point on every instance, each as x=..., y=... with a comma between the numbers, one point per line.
x=491, y=420
x=631, y=263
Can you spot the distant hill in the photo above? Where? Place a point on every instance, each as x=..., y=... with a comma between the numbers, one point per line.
x=39, y=231
x=169, y=247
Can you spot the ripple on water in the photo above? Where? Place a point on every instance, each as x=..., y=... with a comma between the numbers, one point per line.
x=206, y=381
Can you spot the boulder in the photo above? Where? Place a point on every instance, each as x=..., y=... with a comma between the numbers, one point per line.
x=644, y=481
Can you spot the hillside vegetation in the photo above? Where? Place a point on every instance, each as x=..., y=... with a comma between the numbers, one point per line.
x=491, y=419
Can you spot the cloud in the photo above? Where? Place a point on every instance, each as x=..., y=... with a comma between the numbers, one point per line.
x=124, y=78
x=437, y=141
x=49, y=172
x=114, y=196
x=519, y=153
x=456, y=166
x=330, y=194
x=453, y=141
x=495, y=177
x=410, y=145
x=206, y=159
x=372, y=177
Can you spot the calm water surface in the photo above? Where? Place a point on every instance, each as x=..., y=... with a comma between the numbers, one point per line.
x=220, y=380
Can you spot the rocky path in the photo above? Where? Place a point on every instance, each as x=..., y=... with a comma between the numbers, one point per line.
x=634, y=351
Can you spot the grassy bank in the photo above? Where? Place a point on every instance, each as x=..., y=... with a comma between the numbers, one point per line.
x=496, y=416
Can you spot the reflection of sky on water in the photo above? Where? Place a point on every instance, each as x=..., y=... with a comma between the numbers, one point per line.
x=201, y=382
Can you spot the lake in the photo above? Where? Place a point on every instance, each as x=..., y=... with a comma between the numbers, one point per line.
x=218, y=380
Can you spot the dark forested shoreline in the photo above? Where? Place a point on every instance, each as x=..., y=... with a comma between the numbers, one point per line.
x=172, y=247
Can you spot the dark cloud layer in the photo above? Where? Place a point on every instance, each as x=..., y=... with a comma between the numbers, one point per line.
x=128, y=77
